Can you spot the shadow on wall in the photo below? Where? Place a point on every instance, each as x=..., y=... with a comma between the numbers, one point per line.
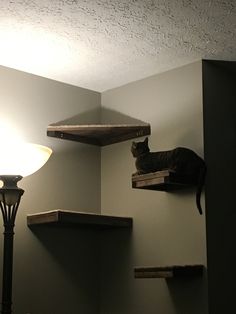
x=189, y=295
x=100, y=115
x=75, y=264
x=69, y=272
x=116, y=273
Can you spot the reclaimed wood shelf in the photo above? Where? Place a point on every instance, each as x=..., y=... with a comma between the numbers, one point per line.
x=165, y=180
x=99, y=134
x=175, y=271
x=77, y=219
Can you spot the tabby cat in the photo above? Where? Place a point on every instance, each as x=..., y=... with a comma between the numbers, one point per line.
x=180, y=160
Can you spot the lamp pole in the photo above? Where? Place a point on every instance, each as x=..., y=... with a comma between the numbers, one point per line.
x=10, y=196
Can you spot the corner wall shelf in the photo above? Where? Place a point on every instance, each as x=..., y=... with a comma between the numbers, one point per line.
x=185, y=271
x=99, y=134
x=165, y=180
x=78, y=219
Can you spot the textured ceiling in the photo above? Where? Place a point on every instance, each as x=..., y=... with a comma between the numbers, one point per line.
x=101, y=44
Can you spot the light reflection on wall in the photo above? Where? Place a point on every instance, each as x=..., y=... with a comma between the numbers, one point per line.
x=9, y=134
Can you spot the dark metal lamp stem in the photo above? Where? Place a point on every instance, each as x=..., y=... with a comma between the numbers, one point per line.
x=10, y=196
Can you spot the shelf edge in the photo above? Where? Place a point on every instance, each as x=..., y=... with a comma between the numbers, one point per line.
x=65, y=217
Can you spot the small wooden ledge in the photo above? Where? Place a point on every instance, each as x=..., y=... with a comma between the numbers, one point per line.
x=77, y=219
x=169, y=271
x=99, y=134
x=165, y=180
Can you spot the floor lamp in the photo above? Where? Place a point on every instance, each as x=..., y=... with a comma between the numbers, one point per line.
x=16, y=161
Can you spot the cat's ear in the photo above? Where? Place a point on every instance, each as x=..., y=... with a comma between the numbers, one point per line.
x=146, y=140
x=134, y=144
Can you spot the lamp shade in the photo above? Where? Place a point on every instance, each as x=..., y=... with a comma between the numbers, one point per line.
x=23, y=158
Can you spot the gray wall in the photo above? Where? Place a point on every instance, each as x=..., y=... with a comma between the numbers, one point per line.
x=220, y=153
x=77, y=271
x=55, y=270
x=167, y=227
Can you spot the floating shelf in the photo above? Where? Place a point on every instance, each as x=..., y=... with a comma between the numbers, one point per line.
x=99, y=134
x=165, y=180
x=169, y=271
x=79, y=219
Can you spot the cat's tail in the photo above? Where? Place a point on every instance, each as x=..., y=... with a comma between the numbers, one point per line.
x=201, y=181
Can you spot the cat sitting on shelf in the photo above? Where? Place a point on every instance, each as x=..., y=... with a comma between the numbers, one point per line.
x=182, y=161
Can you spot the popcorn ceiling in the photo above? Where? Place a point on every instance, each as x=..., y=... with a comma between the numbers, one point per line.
x=101, y=44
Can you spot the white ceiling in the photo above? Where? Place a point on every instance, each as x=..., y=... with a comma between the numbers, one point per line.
x=101, y=44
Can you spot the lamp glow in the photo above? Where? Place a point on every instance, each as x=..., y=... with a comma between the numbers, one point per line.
x=23, y=158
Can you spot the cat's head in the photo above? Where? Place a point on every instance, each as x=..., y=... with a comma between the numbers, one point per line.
x=139, y=148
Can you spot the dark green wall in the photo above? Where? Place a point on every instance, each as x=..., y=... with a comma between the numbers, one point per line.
x=219, y=105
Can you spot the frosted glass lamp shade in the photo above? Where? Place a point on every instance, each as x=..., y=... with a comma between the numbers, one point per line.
x=23, y=159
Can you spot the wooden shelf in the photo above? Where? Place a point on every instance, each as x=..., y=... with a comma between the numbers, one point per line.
x=79, y=219
x=169, y=271
x=165, y=180
x=99, y=134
